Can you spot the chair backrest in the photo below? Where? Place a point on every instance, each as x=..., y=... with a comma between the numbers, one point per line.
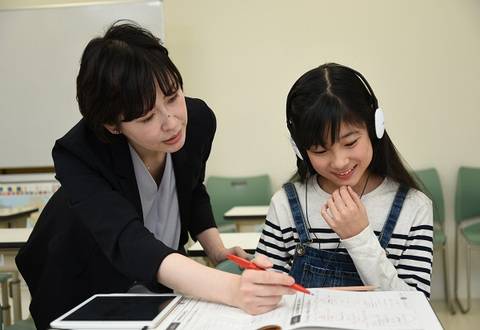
x=430, y=181
x=227, y=192
x=467, y=194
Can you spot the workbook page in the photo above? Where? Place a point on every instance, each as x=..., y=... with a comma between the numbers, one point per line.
x=386, y=310
x=191, y=313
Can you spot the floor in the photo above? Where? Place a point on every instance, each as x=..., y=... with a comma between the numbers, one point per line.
x=459, y=321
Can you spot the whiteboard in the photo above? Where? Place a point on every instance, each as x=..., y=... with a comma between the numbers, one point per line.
x=40, y=51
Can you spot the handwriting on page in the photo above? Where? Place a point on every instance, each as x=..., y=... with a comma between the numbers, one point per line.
x=352, y=311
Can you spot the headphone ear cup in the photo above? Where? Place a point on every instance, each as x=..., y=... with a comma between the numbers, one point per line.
x=295, y=148
x=379, y=123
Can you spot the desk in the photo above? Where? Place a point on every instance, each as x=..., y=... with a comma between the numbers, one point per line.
x=247, y=241
x=247, y=218
x=11, y=240
x=15, y=216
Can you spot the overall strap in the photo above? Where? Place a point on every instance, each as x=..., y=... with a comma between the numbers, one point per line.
x=389, y=225
x=298, y=218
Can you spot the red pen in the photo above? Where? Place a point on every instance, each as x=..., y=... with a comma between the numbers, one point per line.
x=246, y=264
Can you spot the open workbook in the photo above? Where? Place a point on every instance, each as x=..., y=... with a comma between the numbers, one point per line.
x=326, y=309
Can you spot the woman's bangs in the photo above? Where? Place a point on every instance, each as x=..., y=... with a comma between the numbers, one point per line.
x=139, y=92
x=168, y=80
x=142, y=93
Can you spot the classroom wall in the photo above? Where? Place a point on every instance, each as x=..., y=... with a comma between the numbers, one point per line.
x=421, y=58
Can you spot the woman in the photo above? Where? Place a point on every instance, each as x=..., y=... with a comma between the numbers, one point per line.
x=132, y=174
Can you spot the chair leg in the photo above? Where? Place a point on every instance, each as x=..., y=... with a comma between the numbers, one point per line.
x=16, y=297
x=5, y=308
x=451, y=307
x=463, y=309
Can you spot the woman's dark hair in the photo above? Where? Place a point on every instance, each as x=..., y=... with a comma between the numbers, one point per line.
x=118, y=76
x=323, y=98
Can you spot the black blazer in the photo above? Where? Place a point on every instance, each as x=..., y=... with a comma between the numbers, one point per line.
x=90, y=237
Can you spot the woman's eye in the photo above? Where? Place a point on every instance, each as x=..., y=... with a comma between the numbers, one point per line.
x=351, y=144
x=172, y=99
x=147, y=119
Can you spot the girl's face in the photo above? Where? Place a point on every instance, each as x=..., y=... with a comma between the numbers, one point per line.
x=345, y=162
x=162, y=129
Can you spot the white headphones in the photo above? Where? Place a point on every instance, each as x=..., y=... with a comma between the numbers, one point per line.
x=295, y=148
x=379, y=123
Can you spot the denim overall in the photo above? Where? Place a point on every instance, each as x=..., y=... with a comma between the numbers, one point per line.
x=315, y=268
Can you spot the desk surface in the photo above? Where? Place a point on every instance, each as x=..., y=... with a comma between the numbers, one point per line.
x=245, y=212
x=14, y=238
x=247, y=241
x=11, y=212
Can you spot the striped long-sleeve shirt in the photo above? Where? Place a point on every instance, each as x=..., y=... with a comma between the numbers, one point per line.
x=406, y=263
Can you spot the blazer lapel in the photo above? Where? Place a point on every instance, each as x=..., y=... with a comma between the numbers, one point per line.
x=182, y=181
x=123, y=168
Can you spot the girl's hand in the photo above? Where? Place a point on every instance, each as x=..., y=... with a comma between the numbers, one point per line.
x=345, y=213
x=221, y=255
x=261, y=291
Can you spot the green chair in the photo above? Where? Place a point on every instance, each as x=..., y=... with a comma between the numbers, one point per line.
x=229, y=267
x=430, y=181
x=467, y=218
x=227, y=192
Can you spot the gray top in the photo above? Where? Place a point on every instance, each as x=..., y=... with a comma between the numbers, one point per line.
x=161, y=214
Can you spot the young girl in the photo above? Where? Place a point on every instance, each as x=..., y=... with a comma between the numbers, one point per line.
x=132, y=189
x=357, y=217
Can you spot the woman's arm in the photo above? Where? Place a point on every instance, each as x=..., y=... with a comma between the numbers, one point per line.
x=213, y=246
x=254, y=291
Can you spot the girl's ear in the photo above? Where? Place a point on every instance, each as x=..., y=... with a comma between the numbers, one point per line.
x=112, y=128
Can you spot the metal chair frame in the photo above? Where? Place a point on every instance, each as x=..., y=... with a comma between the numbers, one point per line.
x=468, y=263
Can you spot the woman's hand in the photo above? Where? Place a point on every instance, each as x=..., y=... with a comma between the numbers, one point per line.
x=345, y=213
x=221, y=254
x=260, y=291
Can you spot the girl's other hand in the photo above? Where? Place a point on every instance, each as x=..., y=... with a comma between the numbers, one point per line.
x=345, y=213
x=261, y=291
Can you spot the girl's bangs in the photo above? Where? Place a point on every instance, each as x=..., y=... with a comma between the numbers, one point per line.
x=322, y=122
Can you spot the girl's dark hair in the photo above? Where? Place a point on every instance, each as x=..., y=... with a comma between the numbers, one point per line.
x=323, y=98
x=118, y=76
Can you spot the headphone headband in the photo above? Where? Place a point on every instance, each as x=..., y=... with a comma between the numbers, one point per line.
x=379, y=116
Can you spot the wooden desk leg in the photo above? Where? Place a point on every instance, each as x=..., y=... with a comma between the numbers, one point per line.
x=5, y=305
x=16, y=297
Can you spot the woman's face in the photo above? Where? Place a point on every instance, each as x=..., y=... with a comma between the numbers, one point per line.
x=162, y=129
x=344, y=162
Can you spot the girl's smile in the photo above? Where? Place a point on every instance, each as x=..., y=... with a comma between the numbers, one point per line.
x=345, y=162
x=345, y=175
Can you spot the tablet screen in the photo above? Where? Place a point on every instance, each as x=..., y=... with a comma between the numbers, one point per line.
x=121, y=308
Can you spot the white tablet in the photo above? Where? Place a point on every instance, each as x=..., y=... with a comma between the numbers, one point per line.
x=118, y=311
